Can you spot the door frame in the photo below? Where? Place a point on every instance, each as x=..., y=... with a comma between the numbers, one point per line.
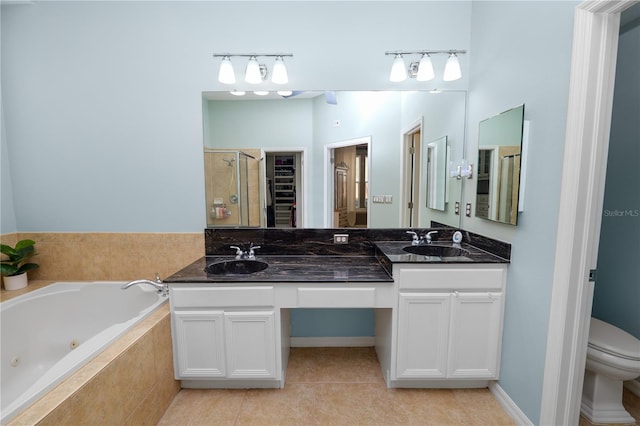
x=593, y=64
x=406, y=136
x=328, y=176
x=301, y=181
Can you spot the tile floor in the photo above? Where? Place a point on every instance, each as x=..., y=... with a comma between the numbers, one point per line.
x=337, y=386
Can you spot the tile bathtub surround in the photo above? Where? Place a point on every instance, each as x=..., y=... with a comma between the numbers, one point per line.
x=109, y=256
x=130, y=382
x=342, y=386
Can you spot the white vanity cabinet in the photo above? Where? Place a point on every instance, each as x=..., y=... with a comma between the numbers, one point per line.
x=449, y=321
x=224, y=333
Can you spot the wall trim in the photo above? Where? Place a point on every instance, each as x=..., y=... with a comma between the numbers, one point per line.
x=509, y=406
x=335, y=342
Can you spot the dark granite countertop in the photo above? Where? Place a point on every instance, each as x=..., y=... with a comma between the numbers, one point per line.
x=300, y=268
x=393, y=251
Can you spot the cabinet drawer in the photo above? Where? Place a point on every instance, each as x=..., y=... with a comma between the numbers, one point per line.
x=336, y=297
x=192, y=297
x=474, y=278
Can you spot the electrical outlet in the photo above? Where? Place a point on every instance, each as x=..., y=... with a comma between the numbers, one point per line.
x=468, y=209
x=340, y=238
x=457, y=208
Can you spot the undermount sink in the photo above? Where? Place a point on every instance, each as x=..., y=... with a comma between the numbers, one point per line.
x=236, y=266
x=433, y=250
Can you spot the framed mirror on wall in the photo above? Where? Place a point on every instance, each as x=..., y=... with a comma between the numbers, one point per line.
x=499, y=164
x=307, y=123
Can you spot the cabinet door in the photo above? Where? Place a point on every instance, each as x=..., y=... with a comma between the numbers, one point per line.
x=199, y=344
x=250, y=344
x=476, y=327
x=423, y=329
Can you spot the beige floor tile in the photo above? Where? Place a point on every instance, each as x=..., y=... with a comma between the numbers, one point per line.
x=333, y=365
x=292, y=405
x=204, y=407
x=335, y=386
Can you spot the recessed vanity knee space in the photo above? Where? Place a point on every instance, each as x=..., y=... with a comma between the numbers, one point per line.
x=438, y=320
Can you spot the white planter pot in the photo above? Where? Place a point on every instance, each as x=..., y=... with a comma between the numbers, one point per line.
x=16, y=282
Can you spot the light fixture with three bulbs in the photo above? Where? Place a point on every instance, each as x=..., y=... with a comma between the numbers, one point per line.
x=423, y=70
x=255, y=73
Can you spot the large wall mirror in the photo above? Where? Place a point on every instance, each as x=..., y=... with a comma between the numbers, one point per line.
x=499, y=159
x=273, y=161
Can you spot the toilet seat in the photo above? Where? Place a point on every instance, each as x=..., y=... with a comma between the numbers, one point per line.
x=611, y=340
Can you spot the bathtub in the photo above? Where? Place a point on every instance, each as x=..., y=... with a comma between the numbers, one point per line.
x=51, y=332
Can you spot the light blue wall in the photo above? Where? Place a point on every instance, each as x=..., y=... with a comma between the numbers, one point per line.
x=103, y=99
x=103, y=113
x=617, y=289
x=524, y=57
x=7, y=216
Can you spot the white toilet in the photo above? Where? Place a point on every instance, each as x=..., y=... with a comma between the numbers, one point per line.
x=613, y=356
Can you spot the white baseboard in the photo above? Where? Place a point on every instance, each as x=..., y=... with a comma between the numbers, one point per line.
x=336, y=342
x=510, y=407
x=633, y=386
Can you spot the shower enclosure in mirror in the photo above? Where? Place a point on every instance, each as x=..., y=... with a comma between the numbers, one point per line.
x=232, y=189
x=499, y=159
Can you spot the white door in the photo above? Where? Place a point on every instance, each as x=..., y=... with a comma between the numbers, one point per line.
x=423, y=330
x=474, y=342
x=250, y=345
x=199, y=348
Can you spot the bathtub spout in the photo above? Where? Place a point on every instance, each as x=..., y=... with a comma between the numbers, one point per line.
x=158, y=284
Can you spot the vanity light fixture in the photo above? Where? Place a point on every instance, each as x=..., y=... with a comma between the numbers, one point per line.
x=284, y=92
x=252, y=74
x=279, y=72
x=255, y=72
x=261, y=92
x=238, y=92
x=423, y=70
x=452, y=69
x=226, y=74
x=398, y=72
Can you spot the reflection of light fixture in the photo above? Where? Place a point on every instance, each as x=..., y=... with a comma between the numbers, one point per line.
x=284, y=92
x=452, y=69
x=255, y=72
x=461, y=170
x=226, y=74
x=423, y=70
x=279, y=72
x=261, y=92
x=398, y=72
x=237, y=92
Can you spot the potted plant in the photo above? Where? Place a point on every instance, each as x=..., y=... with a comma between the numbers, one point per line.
x=14, y=267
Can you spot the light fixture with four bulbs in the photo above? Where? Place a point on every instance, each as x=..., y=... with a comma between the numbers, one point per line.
x=423, y=70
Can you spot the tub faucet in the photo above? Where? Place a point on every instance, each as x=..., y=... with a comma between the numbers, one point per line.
x=158, y=284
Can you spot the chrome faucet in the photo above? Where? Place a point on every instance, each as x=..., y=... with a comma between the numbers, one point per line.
x=428, y=236
x=245, y=254
x=415, y=241
x=158, y=284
